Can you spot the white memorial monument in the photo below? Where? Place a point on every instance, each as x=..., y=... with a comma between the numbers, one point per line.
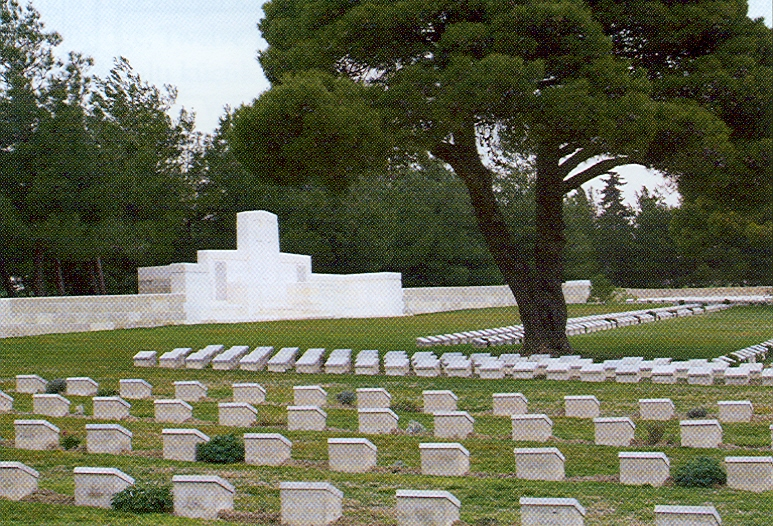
x=257, y=282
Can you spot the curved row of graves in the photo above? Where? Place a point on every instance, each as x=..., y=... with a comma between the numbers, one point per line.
x=196, y=495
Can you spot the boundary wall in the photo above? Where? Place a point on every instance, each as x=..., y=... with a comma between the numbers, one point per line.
x=705, y=292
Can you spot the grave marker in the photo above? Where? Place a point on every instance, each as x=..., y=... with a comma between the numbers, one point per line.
x=201, y=496
x=309, y=503
x=97, y=486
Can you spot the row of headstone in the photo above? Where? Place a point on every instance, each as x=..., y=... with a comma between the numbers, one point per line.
x=513, y=334
x=751, y=353
x=320, y=503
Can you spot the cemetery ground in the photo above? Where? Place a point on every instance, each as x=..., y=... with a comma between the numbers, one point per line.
x=489, y=493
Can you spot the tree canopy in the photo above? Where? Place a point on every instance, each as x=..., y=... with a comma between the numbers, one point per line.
x=578, y=87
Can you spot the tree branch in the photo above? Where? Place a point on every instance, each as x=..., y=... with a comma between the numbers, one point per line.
x=600, y=168
x=577, y=159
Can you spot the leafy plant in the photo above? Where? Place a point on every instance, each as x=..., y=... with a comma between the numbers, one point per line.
x=701, y=472
x=68, y=441
x=144, y=498
x=56, y=386
x=655, y=433
x=221, y=449
x=346, y=397
x=415, y=428
x=697, y=412
x=406, y=406
x=107, y=392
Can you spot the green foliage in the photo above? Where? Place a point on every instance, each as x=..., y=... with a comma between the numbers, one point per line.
x=655, y=433
x=700, y=472
x=697, y=412
x=68, y=441
x=104, y=391
x=56, y=386
x=346, y=397
x=144, y=498
x=406, y=406
x=415, y=428
x=221, y=449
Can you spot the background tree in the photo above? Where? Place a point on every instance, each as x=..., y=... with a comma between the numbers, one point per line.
x=547, y=80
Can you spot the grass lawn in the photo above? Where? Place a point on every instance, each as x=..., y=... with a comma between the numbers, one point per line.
x=489, y=495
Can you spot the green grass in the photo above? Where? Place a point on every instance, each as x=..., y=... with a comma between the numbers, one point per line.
x=489, y=496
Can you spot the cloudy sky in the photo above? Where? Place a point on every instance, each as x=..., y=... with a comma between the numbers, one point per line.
x=206, y=48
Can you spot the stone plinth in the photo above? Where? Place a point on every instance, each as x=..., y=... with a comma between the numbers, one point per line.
x=627, y=373
x=201, y=496
x=351, y=455
x=311, y=361
x=135, y=389
x=444, y=459
x=750, y=473
x=180, y=444
x=735, y=411
x=453, y=424
x=638, y=469
x=551, y=511
x=367, y=362
x=283, y=361
x=50, y=405
x=110, y=408
x=146, y=359
x=702, y=375
x=81, y=386
x=108, y=438
x=309, y=503
x=6, y=403
x=174, y=359
x=266, y=449
x=377, y=421
x=249, y=393
x=257, y=359
x=174, y=411
x=203, y=357
x=532, y=427
x=616, y=431
x=546, y=463
x=30, y=384
x=190, y=391
x=305, y=418
x=700, y=433
x=508, y=404
x=656, y=409
x=97, y=486
x=309, y=395
x=236, y=414
x=426, y=508
x=229, y=360
x=435, y=401
x=737, y=376
x=36, y=434
x=373, y=398
x=686, y=516
x=593, y=372
x=663, y=374
x=17, y=480
x=582, y=406
x=339, y=362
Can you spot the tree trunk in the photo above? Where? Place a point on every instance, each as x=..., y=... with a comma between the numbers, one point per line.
x=537, y=289
x=93, y=285
x=38, y=280
x=5, y=276
x=100, y=275
x=59, y=277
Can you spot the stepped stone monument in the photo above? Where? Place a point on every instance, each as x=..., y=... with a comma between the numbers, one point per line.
x=257, y=282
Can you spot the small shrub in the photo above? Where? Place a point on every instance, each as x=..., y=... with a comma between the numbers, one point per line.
x=346, y=397
x=486, y=521
x=56, y=386
x=406, y=406
x=68, y=441
x=144, y=498
x=701, y=472
x=415, y=428
x=697, y=412
x=221, y=449
x=655, y=433
x=107, y=392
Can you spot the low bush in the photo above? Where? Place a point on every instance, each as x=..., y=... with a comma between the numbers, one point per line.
x=697, y=412
x=68, y=441
x=406, y=406
x=56, y=386
x=221, y=449
x=415, y=428
x=655, y=433
x=107, y=392
x=701, y=472
x=144, y=498
x=346, y=397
